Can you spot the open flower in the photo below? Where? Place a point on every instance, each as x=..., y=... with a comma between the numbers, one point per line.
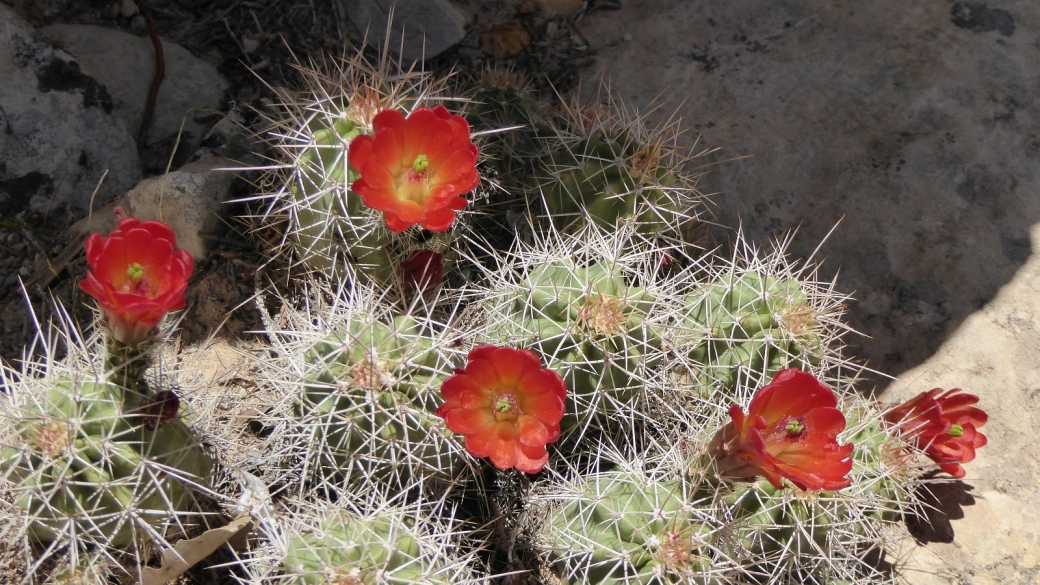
x=415, y=169
x=790, y=431
x=508, y=406
x=944, y=425
x=136, y=276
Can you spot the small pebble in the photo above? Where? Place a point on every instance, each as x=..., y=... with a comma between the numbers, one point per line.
x=627, y=38
x=250, y=45
x=24, y=271
x=138, y=25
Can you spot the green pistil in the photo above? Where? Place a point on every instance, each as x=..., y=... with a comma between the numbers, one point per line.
x=135, y=272
x=504, y=403
x=956, y=430
x=794, y=428
x=421, y=163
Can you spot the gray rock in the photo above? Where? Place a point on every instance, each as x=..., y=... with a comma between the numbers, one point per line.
x=190, y=200
x=230, y=138
x=58, y=129
x=192, y=90
x=919, y=126
x=428, y=27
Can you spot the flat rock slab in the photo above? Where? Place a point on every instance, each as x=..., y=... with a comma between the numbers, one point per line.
x=918, y=123
x=191, y=93
x=991, y=532
x=58, y=130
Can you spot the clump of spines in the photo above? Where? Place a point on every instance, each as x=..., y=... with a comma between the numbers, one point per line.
x=389, y=544
x=744, y=318
x=602, y=162
x=99, y=483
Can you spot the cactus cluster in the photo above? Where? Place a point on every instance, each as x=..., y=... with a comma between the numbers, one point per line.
x=585, y=304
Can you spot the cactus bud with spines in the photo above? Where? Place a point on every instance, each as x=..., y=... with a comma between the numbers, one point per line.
x=605, y=163
x=385, y=546
x=369, y=391
x=85, y=466
x=637, y=524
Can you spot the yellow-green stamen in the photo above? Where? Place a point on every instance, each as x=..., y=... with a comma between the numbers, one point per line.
x=421, y=163
x=956, y=430
x=793, y=428
x=135, y=272
x=504, y=403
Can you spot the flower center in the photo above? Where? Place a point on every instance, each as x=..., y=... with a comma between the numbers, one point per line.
x=421, y=164
x=794, y=428
x=956, y=431
x=505, y=407
x=135, y=272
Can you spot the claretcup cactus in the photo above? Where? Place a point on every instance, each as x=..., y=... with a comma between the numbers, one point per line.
x=751, y=316
x=639, y=523
x=329, y=228
x=811, y=518
x=590, y=304
x=85, y=466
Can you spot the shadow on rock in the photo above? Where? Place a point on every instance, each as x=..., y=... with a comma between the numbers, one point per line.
x=941, y=502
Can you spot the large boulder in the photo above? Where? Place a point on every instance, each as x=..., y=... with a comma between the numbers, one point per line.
x=59, y=132
x=192, y=90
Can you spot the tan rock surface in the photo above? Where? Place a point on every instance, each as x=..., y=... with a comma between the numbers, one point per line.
x=995, y=353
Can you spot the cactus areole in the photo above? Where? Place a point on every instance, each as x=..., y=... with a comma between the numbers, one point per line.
x=507, y=405
x=790, y=431
x=944, y=425
x=416, y=169
x=137, y=276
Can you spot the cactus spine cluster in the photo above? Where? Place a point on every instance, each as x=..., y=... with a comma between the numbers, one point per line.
x=383, y=547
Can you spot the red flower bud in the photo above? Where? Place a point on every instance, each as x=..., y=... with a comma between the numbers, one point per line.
x=423, y=270
x=136, y=276
x=415, y=169
x=944, y=425
x=790, y=431
x=507, y=405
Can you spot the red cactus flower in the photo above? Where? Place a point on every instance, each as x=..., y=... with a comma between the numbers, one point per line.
x=508, y=406
x=790, y=431
x=944, y=425
x=423, y=270
x=136, y=276
x=415, y=169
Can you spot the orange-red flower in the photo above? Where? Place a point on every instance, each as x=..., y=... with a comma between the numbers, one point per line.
x=790, y=431
x=415, y=169
x=944, y=425
x=136, y=276
x=508, y=406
